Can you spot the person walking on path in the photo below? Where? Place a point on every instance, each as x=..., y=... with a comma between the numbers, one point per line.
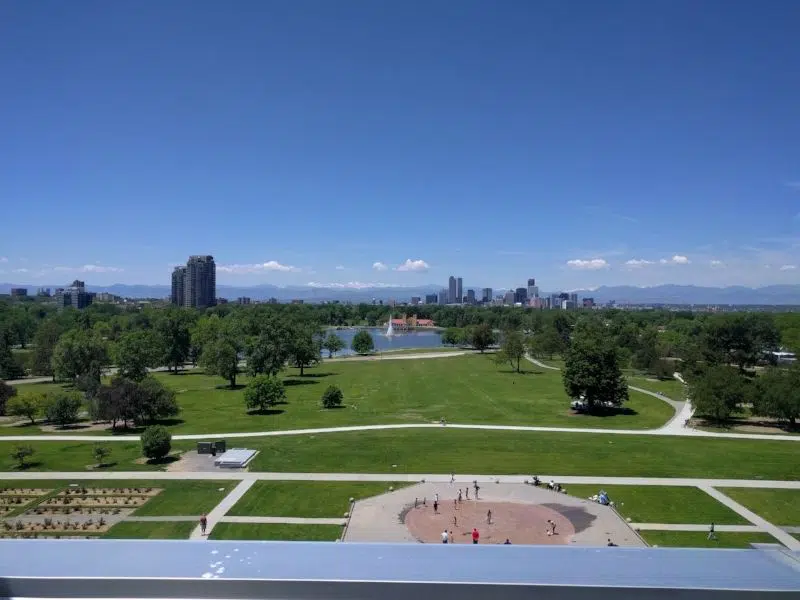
x=436, y=497
x=489, y=516
x=444, y=536
x=455, y=503
x=466, y=492
x=452, y=477
x=203, y=524
x=475, y=535
x=436, y=506
x=455, y=521
x=711, y=534
x=459, y=496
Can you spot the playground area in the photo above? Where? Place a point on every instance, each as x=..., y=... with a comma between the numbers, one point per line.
x=520, y=513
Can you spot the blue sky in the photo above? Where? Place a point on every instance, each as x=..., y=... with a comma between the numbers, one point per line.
x=356, y=142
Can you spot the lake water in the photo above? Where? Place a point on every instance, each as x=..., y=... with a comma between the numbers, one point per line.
x=399, y=341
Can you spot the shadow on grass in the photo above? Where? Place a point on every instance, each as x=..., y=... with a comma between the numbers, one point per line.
x=167, y=460
x=607, y=412
x=314, y=375
x=231, y=388
x=266, y=411
x=520, y=372
x=304, y=381
x=34, y=464
x=140, y=428
x=184, y=373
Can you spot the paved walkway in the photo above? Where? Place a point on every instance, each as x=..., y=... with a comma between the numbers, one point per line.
x=776, y=532
x=284, y=520
x=221, y=509
x=250, y=477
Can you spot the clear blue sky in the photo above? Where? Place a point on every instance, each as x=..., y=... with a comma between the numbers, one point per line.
x=323, y=141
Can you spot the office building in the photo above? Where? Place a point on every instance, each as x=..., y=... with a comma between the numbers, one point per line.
x=509, y=298
x=178, y=291
x=19, y=292
x=431, y=298
x=521, y=295
x=243, y=300
x=195, y=285
x=451, y=289
x=414, y=300
x=471, y=297
x=533, y=290
x=574, y=299
x=75, y=296
x=459, y=290
x=443, y=296
x=588, y=302
x=43, y=292
x=486, y=296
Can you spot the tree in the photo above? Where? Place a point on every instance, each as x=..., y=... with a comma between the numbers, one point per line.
x=268, y=351
x=101, y=452
x=480, y=337
x=453, y=336
x=717, y=392
x=22, y=325
x=740, y=339
x=592, y=373
x=646, y=353
x=156, y=442
x=62, y=408
x=116, y=402
x=332, y=343
x=6, y=392
x=362, y=342
x=9, y=366
x=663, y=369
x=304, y=348
x=512, y=349
x=79, y=352
x=220, y=358
x=25, y=405
x=136, y=352
x=173, y=330
x=44, y=343
x=778, y=395
x=264, y=391
x=20, y=453
x=332, y=398
x=152, y=401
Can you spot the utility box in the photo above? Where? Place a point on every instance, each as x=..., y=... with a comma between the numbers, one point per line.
x=220, y=446
x=204, y=447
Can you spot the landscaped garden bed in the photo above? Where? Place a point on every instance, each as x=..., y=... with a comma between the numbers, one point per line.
x=50, y=526
x=128, y=491
x=95, y=501
x=5, y=492
x=45, y=511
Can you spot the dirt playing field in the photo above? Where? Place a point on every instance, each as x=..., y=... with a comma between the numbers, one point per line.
x=520, y=523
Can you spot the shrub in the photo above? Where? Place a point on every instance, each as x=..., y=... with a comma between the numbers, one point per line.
x=263, y=391
x=362, y=342
x=332, y=397
x=156, y=442
x=62, y=408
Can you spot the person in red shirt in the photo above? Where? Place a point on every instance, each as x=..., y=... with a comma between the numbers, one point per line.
x=475, y=535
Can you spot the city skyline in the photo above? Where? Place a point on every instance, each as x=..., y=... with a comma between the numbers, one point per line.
x=232, y=130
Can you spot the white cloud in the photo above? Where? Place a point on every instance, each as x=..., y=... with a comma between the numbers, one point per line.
x=349, y=285
x=675, y=260
x=271, y=265
x=718, y=264
x=788, y=267
x=340, y=267
x=413, y=265
x=638, y=262
x=89, y=269
x=591, y=264
x=379, y=266
x=3, y=259
x=20, y=271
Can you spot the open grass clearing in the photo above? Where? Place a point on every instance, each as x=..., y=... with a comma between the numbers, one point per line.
x=465, y=389
x=306, y=498
x=671, y=388
x=74, y=456
x=661, y=504
x=264, y=531
x=779, y=507
x=161, y=530
x=699, y=539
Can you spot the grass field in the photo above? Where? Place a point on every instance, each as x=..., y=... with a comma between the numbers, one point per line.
x=699, y=539
x=671, y=388
x=658, y=504
x=466, y=389
x=165, y=530
x=305, y=498
x=445, y=450
x=779, y=507
x=262, y=531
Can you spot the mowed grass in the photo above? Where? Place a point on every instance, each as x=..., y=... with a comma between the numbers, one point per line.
x=163, y=530
x=73, y=456
x=464, y=389
x=671, y=388
x=699, y=539
x=661, y=504
x=265, y=531
x=779, y=507
x=305, y=498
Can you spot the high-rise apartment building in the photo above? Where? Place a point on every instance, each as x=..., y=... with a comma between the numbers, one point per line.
x=521, y=295
x=486, y=296
x=470, y=296
x=452, y=292
x=444, y=296
x=195, y=285
x=431, y=298
x=533, y=290
x=75, y=296
x=573, y=298
x=459, y=290
x=509, y=298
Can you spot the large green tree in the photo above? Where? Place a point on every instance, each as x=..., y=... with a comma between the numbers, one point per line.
x=717, y=392
x=268, y=350
x=44, y=343
x=332, y=343
x=6, y=392
x=10, y=368
x=136, y=352
x=29, y=405
x=220, y=357
x=62, y=408
x=512, y=349
x=264, y=391
x=740, y=339
x=362, y=342
x=778, y=395
x=592, y=372
x=480, y=336
x=79, y=352
x=304, y=347
x=173, y=329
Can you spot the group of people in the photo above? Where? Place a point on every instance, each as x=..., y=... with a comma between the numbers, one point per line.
x=447, y=537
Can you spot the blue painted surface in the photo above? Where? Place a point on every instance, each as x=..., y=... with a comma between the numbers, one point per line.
x=531, y=565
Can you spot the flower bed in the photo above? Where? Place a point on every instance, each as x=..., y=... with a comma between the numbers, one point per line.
x=54, y=526
x=95, y=501
x=130, y=491
x=22, y=492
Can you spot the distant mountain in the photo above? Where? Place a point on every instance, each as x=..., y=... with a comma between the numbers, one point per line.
x=662, y=294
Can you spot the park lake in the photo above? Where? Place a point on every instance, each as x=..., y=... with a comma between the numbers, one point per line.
x=422, y=339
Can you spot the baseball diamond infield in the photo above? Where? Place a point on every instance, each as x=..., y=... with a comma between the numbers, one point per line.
x=519, y=512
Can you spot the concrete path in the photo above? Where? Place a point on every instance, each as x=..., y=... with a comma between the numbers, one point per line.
x=776, y=532
x=284, y=520
x=460, y=479
x=221, y=509
x=692, y=527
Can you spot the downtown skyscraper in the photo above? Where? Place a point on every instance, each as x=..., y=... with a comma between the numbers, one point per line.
x=195, y=285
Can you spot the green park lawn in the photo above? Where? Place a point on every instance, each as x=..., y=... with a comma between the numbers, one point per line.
x=661, y=504
x=699, y=539
x=779, y=507
x=268, y=531
x=445, y=450
x=465, y=389
x=163, y=530
x=671, y=388
x=305, y=498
